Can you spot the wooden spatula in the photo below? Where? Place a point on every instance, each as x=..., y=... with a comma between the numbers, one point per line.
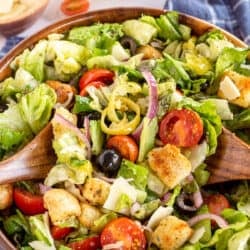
x=32, y=162
x=231, y=160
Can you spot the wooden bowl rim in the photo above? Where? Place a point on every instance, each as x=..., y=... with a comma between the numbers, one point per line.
x=29, y=13
x=88, y=18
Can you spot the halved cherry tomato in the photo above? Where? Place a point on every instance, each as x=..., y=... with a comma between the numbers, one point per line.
x=125, y=230
x=73, y=7
x=93, y=75
x=182, y=128
x=96, y=84
x=92, y=243
x=216, y=203
x=60, y=233
x=125, y=145
x=28, y=203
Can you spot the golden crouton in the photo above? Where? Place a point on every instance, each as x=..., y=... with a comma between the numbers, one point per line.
x=6, y=195
x=88, y=215
x=96, y=191
x=171, y=233
x=61, y=205
x=169, y=165
x=243, y=85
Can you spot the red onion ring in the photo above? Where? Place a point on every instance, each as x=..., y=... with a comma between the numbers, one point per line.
x=197, y=198
x=43, y=188
x=86, y=127
x=153, y=102
x=222, y=223
x=181, y=203
x=165, y=198
x=70, y=125
x=153, y=96
x=104, y=178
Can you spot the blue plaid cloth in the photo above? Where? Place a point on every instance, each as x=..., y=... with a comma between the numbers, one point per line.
x=231, y=15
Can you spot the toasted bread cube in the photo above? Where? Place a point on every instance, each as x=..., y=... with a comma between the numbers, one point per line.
x=61, y=205
x=171, y=233
x=169, y=165
x=96, y=191
x=88, y=215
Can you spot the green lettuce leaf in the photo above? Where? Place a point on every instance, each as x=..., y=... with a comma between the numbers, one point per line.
x=33, y=60
x=14, y=131
x=97, y=36
x=23, y=83
x=36, y=107
x=39, y=225
x=230, y=58
x=137, y=173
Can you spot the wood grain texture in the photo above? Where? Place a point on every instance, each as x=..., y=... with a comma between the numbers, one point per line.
x=109, y=15
x=231, y=160
x=33, y=162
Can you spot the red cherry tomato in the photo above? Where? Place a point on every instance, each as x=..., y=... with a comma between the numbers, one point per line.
x=125, y=230
x=73, y=7
x=96, y=84
x=60, y=233
x=92, y=243
x=28, y=203
x=216, y=203
x=93, y=75
x=182, y=128
x=125, y=145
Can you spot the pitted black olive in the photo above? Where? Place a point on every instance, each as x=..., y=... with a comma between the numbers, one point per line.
x=109, y=162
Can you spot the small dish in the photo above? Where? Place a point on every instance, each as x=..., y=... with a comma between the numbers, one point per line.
x=22, y=16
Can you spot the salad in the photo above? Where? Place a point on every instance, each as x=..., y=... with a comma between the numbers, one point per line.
x=136, y=108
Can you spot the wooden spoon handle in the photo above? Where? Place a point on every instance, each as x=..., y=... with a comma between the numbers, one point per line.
x=231, y=161
x=33, y=162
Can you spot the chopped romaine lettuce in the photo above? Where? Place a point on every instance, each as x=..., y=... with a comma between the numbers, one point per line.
x=40, y=230
x=137, y=174
x=23, y=83
x=142, y=32
x=36, y=107
x=230, y=58
x=33, y=60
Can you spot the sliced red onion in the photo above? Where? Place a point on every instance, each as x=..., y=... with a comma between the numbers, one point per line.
x=181, y=203
x=115, y=246
x=153, y=96
x=222, y=223
x=137, y=133
x=74, y=128
x=43, y=188
x=197, y=198
x=153, y=102
x=104, y=178
x=165, y=198
x=135, y=208
x=86, y=127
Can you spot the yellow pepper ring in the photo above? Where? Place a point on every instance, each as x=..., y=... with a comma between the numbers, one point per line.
x=123, y=127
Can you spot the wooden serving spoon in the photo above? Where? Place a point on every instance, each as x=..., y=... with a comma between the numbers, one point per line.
x=32, y=162
x=231, y=161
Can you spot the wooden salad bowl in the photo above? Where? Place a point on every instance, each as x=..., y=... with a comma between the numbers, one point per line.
x=109, y=15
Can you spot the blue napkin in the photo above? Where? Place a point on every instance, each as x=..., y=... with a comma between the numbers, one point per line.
x=232, y=15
